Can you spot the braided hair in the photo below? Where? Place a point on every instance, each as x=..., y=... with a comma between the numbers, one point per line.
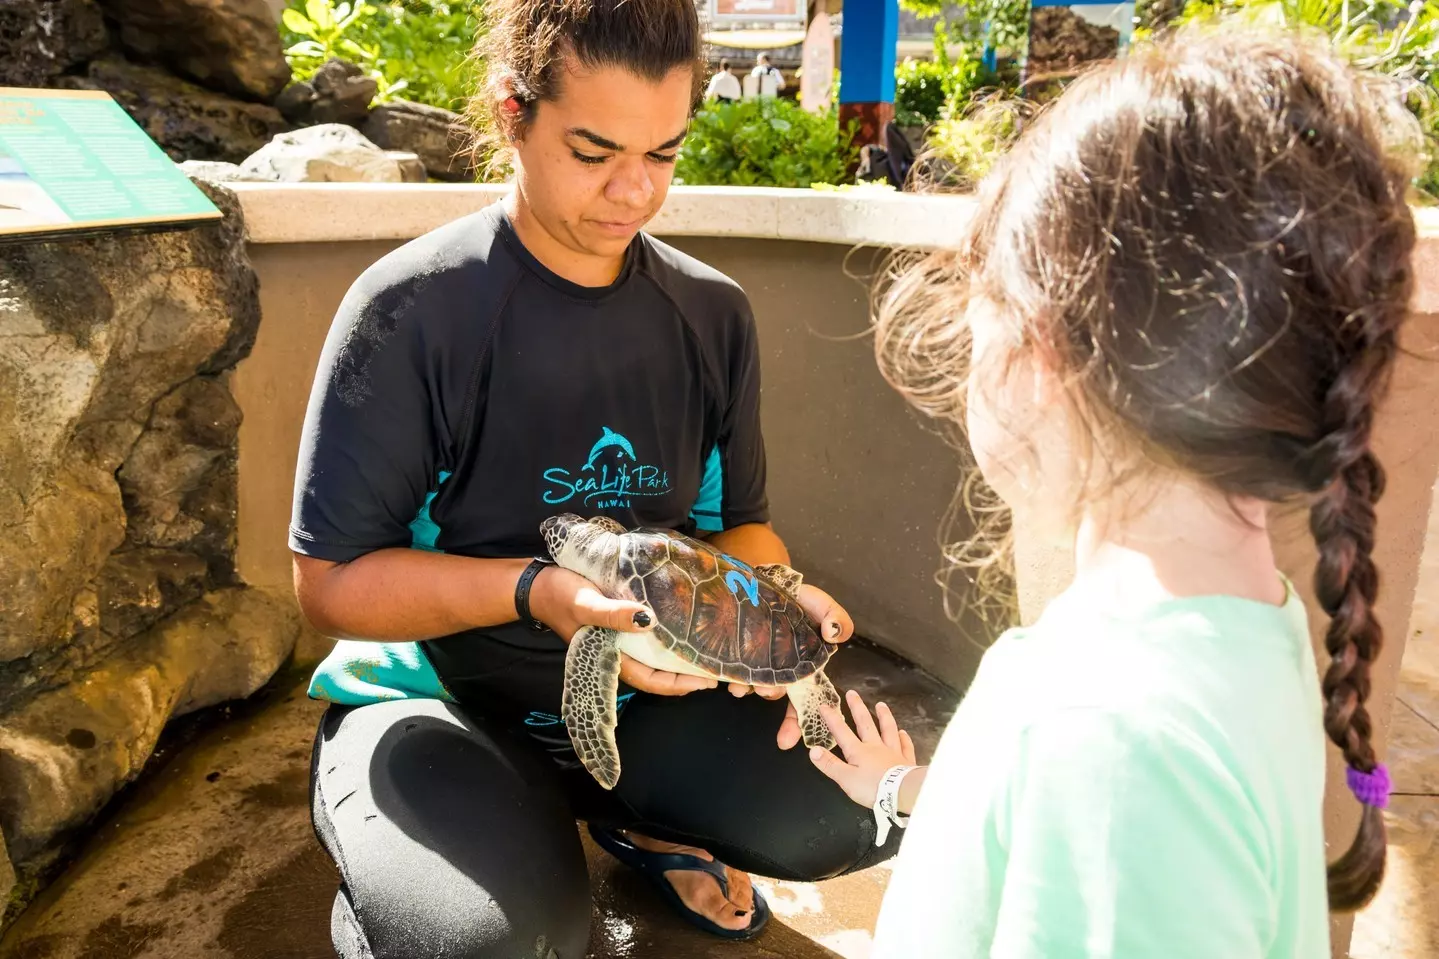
x=1210, y=242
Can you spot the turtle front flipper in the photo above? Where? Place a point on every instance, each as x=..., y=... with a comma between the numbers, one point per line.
x=784, y=579
x=808, y=695
x=592, y=677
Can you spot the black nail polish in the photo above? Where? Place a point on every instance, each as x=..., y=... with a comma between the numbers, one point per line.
x=741, y=912
x=642, y=619
x=834, y=629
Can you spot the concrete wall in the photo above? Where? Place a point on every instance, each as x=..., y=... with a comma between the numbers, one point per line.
x=858, y=484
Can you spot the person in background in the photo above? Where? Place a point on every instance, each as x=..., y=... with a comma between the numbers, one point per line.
x=1176, y=310
x=763, y=68
x=724, y=85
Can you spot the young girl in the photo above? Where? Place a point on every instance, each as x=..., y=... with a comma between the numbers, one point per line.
x=1176, y=310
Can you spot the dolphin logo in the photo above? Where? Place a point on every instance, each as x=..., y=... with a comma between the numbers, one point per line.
x=737, y=581
x=610, y=438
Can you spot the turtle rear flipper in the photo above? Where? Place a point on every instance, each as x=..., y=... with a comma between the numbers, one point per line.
x=592, y=677
x=808, y=695
x=785, y=579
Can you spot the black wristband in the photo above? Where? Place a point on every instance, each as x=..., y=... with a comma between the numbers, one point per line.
x=522, y=593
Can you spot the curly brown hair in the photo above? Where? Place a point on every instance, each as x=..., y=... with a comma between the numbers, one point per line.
x=1210, y=241
x=526, y=42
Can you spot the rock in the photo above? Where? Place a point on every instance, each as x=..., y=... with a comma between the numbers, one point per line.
x=93, y=333
x=138, y=587
x=67, y=752
x=342, y=94
x=228, y=45
x=439, y=137
x=295, y=101
x=1061, y=42
x=7, y=876
x=331, y=152
x=171, y=498
x=41, y=39
x=217, y=171
x=411, y=169
x=187, y=121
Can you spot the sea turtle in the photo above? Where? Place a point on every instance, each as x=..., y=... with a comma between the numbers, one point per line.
x=716, y=617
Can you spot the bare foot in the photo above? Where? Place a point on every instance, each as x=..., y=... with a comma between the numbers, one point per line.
x=700, y=891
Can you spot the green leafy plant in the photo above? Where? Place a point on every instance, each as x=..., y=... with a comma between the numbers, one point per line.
x=1401, y=41
x=963, y=148
x=322, y=30
x=927, y=90
x=420, y=48
x=919, y=92
x=1003, y=23
x=427, y=46
x=762, y=142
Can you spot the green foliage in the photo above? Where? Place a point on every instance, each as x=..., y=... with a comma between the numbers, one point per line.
x=919, y=93
x=762, y=142
x=1401, y=41
x=415, y=48
x=1004, y=22
x=319, y=30
x=963, y=148
x=924, y=90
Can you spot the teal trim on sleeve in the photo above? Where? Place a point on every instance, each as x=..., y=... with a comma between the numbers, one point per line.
x=424, y=531
x=358, y=673
x=706, y=511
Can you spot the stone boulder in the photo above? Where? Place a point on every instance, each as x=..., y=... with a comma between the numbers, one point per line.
x=41, y=39
x=295, y=102
x=331, y=152
x=412, y=168
x=119, y=602
x=229, y=45
x=66, y=752
x=439, y=137
x=339, y=92
x=94, y=335
x=218, y=171
x=7, y=876
x=342, y=93
x=1062, y=42
x=179, y=482
x=187, y=121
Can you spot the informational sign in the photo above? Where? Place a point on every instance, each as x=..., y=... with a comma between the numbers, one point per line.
x=754, y=11
x=74, y=162
x=816, y=82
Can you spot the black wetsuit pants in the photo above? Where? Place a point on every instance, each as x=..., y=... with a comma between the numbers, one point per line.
x=453, y=827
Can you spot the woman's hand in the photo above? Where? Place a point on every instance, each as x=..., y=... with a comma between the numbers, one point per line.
x=567, y=602
x=834, y=625
x=871, y=749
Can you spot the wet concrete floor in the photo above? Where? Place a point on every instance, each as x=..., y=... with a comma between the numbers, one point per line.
x=212, y=856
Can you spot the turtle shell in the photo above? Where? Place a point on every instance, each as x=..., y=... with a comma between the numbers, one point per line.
x=716, y=612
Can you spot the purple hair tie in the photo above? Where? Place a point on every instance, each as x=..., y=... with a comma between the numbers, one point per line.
x=1372, y=789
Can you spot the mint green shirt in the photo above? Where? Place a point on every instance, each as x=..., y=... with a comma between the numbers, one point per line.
x=1137, y=784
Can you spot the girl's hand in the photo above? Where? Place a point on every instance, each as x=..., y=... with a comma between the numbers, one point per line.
x=567, y=602
x=870, y=750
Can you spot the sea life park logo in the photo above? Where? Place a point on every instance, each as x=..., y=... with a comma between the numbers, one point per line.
x=610, y=479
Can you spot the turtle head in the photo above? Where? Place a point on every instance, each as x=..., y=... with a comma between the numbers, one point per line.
x=580, y=544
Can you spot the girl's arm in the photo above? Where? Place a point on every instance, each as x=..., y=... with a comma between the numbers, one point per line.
x=875, y=746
